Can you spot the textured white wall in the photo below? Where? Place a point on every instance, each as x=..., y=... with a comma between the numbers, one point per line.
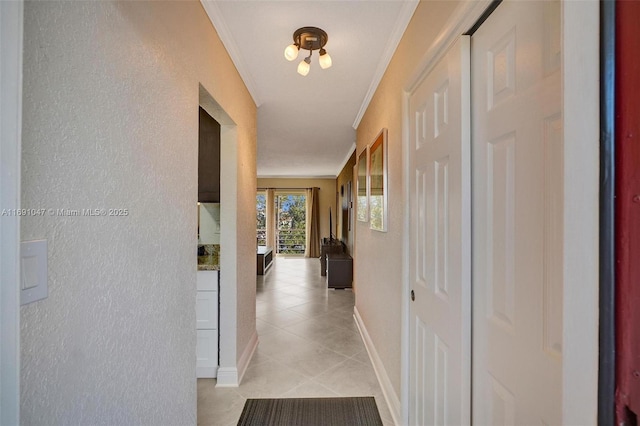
x=379, y=283
x=111, y=121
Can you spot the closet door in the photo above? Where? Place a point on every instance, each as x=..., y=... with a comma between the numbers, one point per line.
x=517, y=215
x=439, y=266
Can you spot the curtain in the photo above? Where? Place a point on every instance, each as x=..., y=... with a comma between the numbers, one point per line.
x=313, y=224
x=271, y=219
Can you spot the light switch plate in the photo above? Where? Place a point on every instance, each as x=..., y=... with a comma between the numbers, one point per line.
x=33, y=271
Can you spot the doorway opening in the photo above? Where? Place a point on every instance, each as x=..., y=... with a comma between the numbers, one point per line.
x=230, y=368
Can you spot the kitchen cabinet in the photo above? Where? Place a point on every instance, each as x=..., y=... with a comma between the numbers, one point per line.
x=207, y=346
x=207, y=324
x=207, y=310
x=208, y=159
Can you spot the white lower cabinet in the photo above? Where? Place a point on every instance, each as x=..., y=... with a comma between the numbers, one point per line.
x=207, y=310
x=207, y=353
x=207, y=325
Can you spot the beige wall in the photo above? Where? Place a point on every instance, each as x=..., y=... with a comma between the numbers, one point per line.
x=379, y=283
x=327, y=195
x=111, y=93
x=345, y=176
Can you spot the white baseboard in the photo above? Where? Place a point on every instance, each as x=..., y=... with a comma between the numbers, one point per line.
x=227, y=377
x=230, y=377
x=393, y=402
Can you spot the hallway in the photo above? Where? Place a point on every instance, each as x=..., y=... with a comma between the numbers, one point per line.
x=309, y=346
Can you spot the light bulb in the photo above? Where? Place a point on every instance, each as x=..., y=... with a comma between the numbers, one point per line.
x=325, y=60
x=291, y=52
x=303, y=66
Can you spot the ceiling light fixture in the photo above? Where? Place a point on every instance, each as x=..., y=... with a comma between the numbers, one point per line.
x=308, y=38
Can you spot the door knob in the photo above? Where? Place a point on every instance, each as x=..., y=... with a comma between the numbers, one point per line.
x=413, y=295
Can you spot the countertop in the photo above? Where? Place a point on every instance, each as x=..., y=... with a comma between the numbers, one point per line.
x=208, y=267
x=211, y=259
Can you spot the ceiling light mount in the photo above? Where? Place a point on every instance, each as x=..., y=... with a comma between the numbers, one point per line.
x=308, y=38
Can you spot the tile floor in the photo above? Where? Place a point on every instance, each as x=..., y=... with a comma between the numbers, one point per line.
x=309, y=346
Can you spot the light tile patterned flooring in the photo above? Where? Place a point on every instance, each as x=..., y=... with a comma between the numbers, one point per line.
x=309, y=346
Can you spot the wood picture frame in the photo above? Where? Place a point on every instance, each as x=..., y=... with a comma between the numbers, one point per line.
x=377, y=183
x=362, y=190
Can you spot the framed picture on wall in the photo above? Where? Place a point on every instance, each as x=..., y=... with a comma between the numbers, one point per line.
x=362, y=212
x=378, y=188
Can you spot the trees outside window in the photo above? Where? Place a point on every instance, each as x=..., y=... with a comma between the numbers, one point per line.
x=261, y=219
x=291, y=223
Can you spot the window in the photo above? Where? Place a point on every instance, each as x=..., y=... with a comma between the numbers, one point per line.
x=291, y=223
x=261, y=218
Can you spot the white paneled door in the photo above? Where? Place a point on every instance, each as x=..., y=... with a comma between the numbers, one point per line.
x=439, y=184
x=517, y=216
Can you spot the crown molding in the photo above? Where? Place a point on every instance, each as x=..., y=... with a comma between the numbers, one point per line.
x=215, y=16
x=398, y=31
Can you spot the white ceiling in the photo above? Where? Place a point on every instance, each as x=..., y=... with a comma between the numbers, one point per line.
x=306, y=124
